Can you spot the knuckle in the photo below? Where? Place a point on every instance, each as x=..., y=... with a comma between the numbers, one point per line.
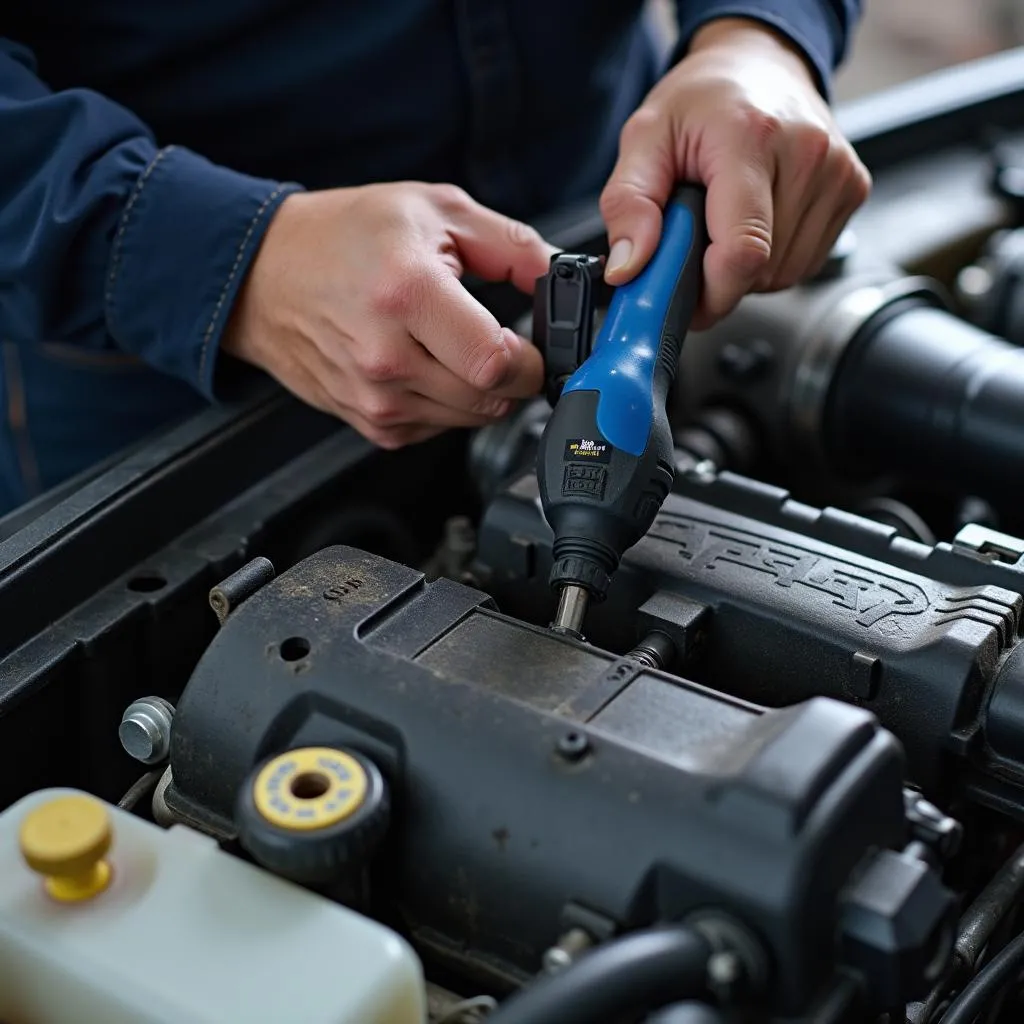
x=763, y=127
x=861, y=183
x=381, y=410
x=813, y=146
x=521, y=234
x=391, y=296
x=399, y=288
x=451, y=198
x=616, y=199
x=751, y=247
x=853, y=177
x=383, y=438
x=380, y=366
x=637, y=126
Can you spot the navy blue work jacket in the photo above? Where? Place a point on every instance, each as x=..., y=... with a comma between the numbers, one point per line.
x=145, y=145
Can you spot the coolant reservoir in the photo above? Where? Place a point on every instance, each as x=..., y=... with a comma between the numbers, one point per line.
x=108, y=919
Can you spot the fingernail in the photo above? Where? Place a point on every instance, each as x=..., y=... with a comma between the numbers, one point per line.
x=620, y=255
x=498, y=409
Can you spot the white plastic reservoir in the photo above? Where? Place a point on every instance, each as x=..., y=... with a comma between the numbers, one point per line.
x=121, y=922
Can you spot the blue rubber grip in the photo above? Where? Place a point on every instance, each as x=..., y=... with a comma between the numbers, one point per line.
x=625, y=357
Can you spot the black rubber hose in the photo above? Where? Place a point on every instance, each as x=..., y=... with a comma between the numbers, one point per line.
x=987, y=984
x=992, y=904
x=988, y=911
x=636, y=974
x=924, y=393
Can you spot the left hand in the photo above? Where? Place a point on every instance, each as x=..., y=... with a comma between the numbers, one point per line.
x=741, y=113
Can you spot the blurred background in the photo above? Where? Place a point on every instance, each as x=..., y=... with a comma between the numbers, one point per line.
x=902, y=39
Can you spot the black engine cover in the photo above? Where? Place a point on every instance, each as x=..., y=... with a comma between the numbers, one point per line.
x=785, y=614
x=668, y=799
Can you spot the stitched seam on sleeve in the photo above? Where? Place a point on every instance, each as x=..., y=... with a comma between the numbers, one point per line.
x=115, y=260
x=208, y=334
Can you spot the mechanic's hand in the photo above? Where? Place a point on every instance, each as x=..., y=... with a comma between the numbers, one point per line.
x=354, y=304
x=740, y=113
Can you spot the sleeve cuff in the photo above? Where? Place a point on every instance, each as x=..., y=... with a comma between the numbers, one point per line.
x=182, y=248
x=812, y=26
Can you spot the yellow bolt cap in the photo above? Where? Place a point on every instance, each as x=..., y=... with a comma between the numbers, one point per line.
x=65, y=840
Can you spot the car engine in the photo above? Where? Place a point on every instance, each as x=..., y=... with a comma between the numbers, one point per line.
x=779, y=778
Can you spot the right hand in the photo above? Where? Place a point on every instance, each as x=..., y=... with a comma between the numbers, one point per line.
x=354, y=304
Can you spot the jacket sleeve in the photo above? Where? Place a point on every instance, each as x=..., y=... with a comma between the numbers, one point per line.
x=823, y=29
x=107, y=240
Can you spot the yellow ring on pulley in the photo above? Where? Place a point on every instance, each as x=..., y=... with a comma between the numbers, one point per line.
x=346, y=788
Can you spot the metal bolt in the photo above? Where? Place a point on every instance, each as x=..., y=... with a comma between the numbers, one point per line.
x=973, y=284
x=703, y=472
x=655, y=650
x=573, y=745
x=1011, y=182
x=145, y=730
x=724, y=967
x=565, y=952
x=725, y=972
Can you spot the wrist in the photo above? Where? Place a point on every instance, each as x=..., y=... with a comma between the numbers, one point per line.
x=734, y=34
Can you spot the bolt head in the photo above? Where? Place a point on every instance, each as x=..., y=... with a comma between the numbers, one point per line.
x=703, y=472
x=573, y=745
x=974, y=283
x=139, y=738
x=556, y=959
x=145, y=730
x=724, y=968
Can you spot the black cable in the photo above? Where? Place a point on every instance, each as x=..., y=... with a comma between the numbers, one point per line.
x=978, y=924
x=987, y=984
x=1009, y=928
x=637, y=973
x=139, y=789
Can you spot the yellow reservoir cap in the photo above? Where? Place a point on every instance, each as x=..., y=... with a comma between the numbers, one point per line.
x=66, y=840
x=310, y=788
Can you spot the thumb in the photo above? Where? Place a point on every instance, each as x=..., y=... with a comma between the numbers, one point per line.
x=499, y=248
x=740, y=221
x=636, y=193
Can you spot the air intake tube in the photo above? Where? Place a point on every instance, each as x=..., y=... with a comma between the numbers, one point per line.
x=928, y=395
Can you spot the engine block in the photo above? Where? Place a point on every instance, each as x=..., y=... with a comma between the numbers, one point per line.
x=603, y=793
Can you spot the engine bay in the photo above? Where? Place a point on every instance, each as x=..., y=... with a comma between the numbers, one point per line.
x=779, y=779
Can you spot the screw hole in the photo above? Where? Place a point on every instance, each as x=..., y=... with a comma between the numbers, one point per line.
x=310, y=785
x=295, y=648
x=147, y=583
